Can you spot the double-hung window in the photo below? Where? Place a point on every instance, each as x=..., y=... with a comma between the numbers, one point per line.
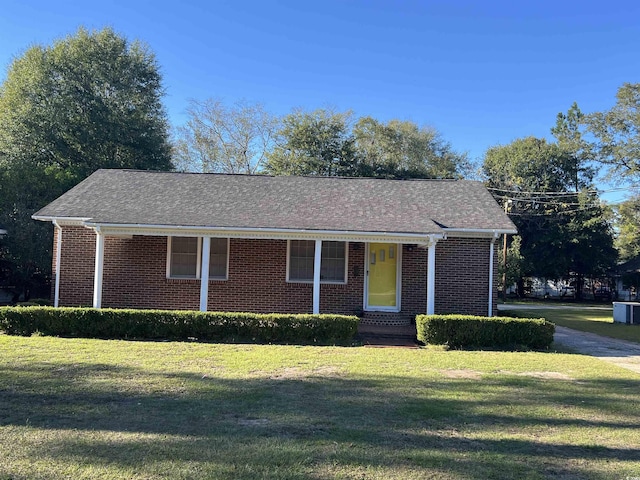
x=218, y=258
x=333, y=267
x=184, y=255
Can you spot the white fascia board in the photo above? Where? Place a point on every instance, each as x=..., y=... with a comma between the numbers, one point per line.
x=61, y=220
x=478, y=232
x=263, y=233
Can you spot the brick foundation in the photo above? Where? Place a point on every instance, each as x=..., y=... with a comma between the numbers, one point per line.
x=135, y=277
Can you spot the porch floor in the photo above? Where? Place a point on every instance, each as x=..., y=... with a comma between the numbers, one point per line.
x=387, y=336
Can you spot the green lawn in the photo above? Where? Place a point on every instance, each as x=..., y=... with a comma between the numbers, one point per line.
x=598, y=321
x=76, y=408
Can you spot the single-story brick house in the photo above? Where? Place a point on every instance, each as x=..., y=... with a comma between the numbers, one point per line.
x=388, y=248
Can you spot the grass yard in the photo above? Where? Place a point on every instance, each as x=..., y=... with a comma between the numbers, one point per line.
x=77, y=408
x=592, y=320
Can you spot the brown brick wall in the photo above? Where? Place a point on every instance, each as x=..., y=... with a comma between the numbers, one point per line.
x=414, y=280
x=257, y=282
x=462, y=276
x=135, y=277
x=135, y=271
x=77, y=263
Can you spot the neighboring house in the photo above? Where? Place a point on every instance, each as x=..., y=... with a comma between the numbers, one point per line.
x=628, y=280
x=389, y=248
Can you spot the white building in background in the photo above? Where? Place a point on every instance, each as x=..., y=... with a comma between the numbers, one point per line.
x=628, y=280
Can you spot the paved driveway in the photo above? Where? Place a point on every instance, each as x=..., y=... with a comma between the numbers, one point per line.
x=528, y=306
x=619, y=352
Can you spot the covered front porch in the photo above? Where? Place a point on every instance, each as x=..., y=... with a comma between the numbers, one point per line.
x=383, y=274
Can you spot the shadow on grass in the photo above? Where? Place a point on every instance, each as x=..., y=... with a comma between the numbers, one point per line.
x=290, y=427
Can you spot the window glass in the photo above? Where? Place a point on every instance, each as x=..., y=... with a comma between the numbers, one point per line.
x=218, y=258
x=301, y=259
x=333, y=260
x=301, y=253
x=184, y=257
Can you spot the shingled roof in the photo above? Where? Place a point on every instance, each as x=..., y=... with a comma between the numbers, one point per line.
x=133, y=197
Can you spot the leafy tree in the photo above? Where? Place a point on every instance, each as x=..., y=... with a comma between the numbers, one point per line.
x=628, y=226
x=617, y=135
x=89, y=101
x=326, y=143
x=25, y=252
x=589, y=250
x=314, y=143
x=221, y=138
x=532, y=165
x=564, y=230
x=401, y=149
x=569, y=135
x=514, y=265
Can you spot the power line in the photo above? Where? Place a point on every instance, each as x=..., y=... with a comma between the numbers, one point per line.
x=555, y=199
x=535, y=201
x=550, y=214
x=524, y=192
x=565, y=193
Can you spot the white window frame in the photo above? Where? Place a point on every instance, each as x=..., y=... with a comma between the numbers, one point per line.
x=328, y=282
x=199, y=261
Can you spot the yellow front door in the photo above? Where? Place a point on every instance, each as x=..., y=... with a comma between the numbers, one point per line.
x=383, y=274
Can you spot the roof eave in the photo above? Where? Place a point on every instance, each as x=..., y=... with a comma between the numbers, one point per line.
x=479, y=232
x=61, y=220
x=265, y=233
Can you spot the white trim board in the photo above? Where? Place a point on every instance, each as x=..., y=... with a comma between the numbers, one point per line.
x=258, y=233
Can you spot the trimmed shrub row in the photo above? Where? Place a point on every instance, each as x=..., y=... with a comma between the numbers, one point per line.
x=178, y=325
x=462, y=331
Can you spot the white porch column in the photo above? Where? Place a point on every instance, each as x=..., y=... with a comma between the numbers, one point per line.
x=56, y=289
x=204, y=273
x=491, y=254
x=99, y=268
x=431, y=277
x=317, y=263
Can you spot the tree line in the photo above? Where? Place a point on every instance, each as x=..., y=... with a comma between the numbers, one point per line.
x=94, y=100
x=245, y=138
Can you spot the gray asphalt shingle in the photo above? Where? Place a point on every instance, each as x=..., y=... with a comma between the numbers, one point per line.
x=257, y=201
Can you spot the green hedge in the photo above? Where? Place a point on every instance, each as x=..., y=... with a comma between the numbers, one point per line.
x=178, y=325
x=462, y=331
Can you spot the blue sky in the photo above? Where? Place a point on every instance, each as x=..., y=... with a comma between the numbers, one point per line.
x=481, y=72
